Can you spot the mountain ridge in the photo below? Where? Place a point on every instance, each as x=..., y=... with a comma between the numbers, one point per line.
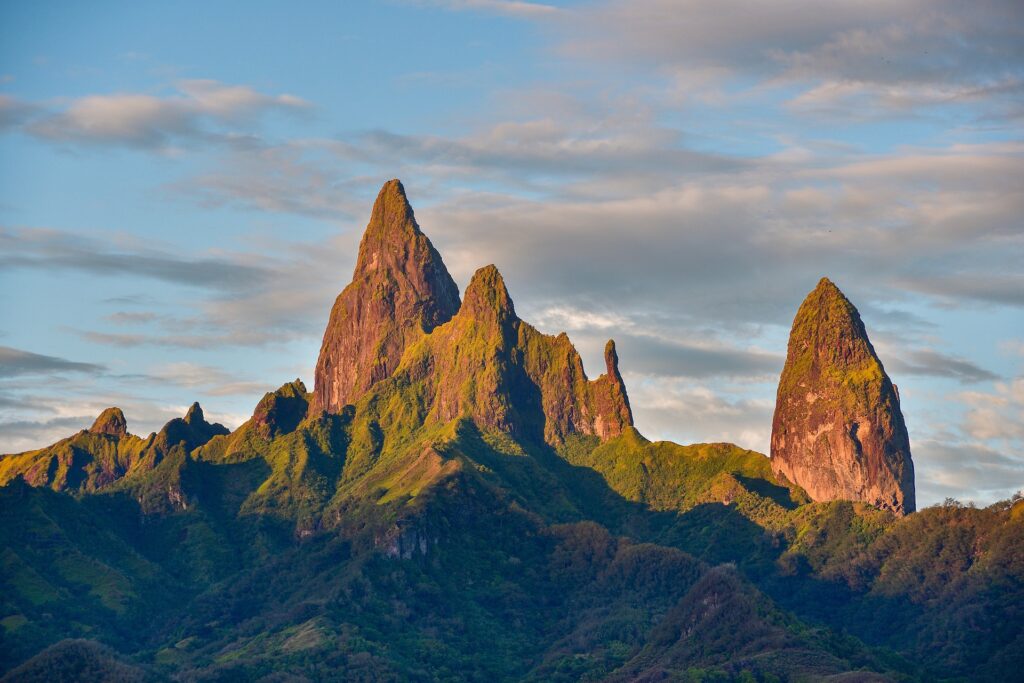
x=468, y=505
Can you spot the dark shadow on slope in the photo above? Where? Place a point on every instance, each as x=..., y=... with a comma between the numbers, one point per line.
x=780, y=494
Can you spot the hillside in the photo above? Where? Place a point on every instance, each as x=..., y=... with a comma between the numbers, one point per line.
x=464, y=503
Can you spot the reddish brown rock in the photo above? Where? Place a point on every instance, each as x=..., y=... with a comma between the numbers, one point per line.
x=400, y=290
x=838, y=431
x=611, y=404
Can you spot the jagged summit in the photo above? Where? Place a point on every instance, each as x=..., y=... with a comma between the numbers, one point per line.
x=838, y=430
x=400, y=290
x=611, y=360
x=392, y=216
x=487, y=297
x=281, y=411
x=614, y=414
x=110, y=422
x=195, y=414
x=477, y=359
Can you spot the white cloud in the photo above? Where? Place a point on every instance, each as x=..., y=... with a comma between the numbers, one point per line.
x=198, y=110
x=688, y=412
x=883, y=56
x=511, y=8
x=998, y=415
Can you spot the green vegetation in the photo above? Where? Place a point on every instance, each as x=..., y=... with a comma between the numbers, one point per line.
x=823, y=321
x=388, y=544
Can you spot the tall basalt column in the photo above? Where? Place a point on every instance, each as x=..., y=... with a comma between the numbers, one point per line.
x=838, y=431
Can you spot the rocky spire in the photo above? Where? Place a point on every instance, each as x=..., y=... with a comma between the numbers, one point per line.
x=399, y=291
x=612, y=413
x=110, y=422
x=401, y=314
x=195, y=414
x=838, y=431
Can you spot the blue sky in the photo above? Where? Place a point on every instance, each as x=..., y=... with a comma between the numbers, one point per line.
x=183, y=186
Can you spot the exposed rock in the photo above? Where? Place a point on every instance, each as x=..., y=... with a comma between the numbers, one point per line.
x=403, y=542
x=86, y=461
x=110, y=422
x=838, y=431
x=477, y=359
x=399, y=291
x=489, y=365
x=611, y=404
x=281, y=411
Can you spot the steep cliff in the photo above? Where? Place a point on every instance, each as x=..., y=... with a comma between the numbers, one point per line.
x=489, y=365
x=838, y=431
x=400, y=290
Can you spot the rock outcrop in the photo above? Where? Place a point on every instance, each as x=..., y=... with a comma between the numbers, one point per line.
x=281, y=411
x=611, y=404
x=401, y=318
x=400, y=290
x=490, y=366
x=190, y=432
x=110, y=422
x=838, y=431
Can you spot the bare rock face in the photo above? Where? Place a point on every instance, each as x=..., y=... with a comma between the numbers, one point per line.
x=838, y=431
x=401, y=320
x=110, y=422
x=400, y=290
x=490, y=366
x=611, y=404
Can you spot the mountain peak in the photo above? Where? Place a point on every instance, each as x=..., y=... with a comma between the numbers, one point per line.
x=195, y=414
x=838, y=430
x=487, y=296
x=110, y=422
x=825, y=284
x=611, y=359
x=400, y=290
x=281, y=411
x=613, y=414
x=392, y=217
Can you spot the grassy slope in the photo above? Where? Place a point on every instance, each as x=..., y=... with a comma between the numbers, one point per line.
x=273, y=537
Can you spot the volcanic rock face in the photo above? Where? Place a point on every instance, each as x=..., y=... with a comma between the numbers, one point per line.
x=400, y=290
x=611, y=405
x=401, y=318
x=838, y=431
x=488, y=365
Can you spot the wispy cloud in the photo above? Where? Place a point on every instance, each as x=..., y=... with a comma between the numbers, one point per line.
x=15, y=362
x=510, y=8
x=14, y=112
x=931, y=363
x=196, y=111
x=886, y=56
x=997, y=415
x=37, y=248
